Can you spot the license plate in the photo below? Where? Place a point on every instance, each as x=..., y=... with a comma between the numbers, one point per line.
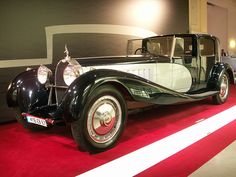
x=37, y=121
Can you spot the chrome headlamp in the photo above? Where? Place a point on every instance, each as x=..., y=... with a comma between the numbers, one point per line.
x=71, y=72
x=43, y=74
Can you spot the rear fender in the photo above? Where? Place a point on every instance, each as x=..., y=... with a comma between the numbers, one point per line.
x=217, y=70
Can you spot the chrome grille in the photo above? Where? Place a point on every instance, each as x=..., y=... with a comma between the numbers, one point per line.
x=59, y=82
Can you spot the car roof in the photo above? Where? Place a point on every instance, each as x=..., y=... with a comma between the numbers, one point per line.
x=184, y=34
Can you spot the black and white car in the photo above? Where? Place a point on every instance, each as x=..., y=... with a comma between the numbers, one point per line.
x=94, y=94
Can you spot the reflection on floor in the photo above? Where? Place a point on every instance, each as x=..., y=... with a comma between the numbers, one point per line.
x=223, y=164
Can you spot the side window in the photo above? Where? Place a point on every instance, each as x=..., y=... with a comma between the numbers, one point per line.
x=208, y=57
x=207, y=47
x=184, y=52
x=183, y=47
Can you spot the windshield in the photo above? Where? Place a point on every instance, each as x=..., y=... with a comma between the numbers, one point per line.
x=161, y=45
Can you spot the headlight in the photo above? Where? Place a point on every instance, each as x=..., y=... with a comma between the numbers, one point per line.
x=71, y=72
x=43, y=74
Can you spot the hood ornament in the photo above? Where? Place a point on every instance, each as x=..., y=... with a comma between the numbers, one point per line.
x=67, y=57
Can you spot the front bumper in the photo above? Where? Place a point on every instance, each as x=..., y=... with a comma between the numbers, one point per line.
x=45, y=122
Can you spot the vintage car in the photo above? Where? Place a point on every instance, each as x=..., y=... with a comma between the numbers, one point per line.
x=94, y=94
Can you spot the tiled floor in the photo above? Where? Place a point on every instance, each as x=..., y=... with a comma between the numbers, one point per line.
x=222, y=165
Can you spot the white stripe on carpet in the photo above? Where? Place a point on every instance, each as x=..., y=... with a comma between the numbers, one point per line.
x=144, y=158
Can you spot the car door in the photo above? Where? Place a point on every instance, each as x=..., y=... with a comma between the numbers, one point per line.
x=207, y=58
x=184, y=64
x=171, y=71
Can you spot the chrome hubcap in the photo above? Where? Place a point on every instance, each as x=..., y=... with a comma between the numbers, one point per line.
x=104, y=119
x=224, y=87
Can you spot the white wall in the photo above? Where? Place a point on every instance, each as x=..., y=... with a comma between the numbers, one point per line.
x=217, y=23
x=230, y=5
x=197, y=16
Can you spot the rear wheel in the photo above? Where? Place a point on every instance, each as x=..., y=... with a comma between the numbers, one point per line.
x=102, y=120
x=222, y=96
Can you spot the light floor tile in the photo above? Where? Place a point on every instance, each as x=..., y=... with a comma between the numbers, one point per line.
x=222, y=165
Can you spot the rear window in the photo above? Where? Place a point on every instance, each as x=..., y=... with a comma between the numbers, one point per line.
x=207, y=47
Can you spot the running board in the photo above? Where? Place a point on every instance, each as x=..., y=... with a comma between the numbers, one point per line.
x=202, y=95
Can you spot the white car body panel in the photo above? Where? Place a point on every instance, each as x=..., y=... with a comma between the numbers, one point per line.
x=170, y=75
x=181, y=78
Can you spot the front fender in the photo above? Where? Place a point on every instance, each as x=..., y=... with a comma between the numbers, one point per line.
x=79, y=91
x=26, y=92
x=76, y=95
x=138, y=88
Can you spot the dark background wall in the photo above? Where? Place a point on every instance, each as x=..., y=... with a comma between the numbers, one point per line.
x=22, y=29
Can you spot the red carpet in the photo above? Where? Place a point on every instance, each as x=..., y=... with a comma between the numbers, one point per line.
x=54, y=153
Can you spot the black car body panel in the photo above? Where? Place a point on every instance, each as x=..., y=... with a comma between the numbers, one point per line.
x=141, y=90
x=26, y=92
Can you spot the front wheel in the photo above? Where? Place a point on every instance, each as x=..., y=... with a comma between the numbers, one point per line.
x=102, y=120
x=223, y=94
